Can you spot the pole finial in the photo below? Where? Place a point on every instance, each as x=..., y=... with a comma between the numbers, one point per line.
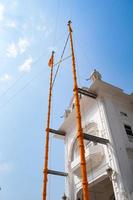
x=69, y=22
x=69, y=25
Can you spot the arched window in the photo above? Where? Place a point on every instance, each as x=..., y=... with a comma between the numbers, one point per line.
x=79, y=195
x=75, y=150
x=91, y=129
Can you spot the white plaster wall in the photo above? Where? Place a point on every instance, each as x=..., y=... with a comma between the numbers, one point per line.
x=119, y=142
x=105, y=111
x=90, y=113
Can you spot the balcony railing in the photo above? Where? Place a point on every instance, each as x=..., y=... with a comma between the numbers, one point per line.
x=94, y=154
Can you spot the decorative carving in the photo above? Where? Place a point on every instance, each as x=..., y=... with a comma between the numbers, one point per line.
x=124, y=195
x=119, y=190
x=115, y=184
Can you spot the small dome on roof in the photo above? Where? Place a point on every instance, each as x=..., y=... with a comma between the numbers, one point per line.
x=95, y=76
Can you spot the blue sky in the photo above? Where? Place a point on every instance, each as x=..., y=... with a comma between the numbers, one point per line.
x=29, y=30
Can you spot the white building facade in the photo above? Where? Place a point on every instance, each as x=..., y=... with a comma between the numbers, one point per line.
x=110, y=166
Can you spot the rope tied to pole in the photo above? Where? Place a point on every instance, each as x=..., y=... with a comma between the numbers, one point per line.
x=61, y=59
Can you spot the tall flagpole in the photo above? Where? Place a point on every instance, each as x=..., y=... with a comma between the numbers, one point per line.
x=51, y=63
x=79, y=124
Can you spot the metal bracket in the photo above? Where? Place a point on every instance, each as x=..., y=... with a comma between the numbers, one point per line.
x=86, y=136
x=57, y=132
x=95, y=139
x=87, y=93
x=57, y=173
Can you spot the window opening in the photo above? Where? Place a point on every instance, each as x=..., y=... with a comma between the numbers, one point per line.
x=128, y=130
x=123, y=114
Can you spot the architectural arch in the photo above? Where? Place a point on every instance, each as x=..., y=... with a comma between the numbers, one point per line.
x=92, y=129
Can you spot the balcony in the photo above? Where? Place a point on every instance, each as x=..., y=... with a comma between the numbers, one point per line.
x=94, y=154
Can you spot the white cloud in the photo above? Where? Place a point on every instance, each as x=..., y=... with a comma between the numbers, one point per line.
x=6, y=77
x=41, y=28
x=47, y=33
x=12, y=50
x=4, y=167
x=17, y=48
x=14, y=5
x=25, y=26
x=23, y=43
x=26, y=66
x=11, y=24
x=2, y=10
x=44, y=29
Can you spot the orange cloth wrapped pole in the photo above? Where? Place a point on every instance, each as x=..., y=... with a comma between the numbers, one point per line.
x=80, y=138
x=51, y=60
x=50, y=64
